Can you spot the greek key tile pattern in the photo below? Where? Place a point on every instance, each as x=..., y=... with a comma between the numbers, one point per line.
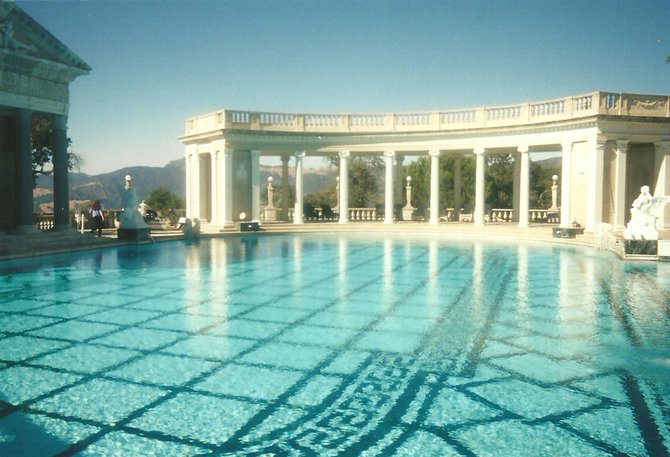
x=334, y=346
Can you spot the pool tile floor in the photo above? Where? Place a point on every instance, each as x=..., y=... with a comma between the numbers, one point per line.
x=177, y=357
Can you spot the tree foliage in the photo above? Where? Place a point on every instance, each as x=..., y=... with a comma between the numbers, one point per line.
x=419, y=170
x=162, y=199
x=43, y=146
x=499, y=185
x=364, y=174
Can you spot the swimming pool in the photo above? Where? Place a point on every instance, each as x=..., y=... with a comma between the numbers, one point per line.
x=334, y=345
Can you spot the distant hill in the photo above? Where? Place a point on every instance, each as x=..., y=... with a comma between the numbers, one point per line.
x=553, y=162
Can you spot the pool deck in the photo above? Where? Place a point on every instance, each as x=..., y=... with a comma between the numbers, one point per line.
x=42, y=243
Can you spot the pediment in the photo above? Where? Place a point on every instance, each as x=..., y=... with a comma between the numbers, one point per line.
x=22, y=37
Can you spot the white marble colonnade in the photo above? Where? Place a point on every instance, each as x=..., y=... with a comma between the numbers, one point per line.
x=221, y=189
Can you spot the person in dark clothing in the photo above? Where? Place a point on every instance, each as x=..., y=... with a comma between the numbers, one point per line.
x=96, y=215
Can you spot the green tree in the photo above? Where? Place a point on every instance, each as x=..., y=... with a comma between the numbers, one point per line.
x=500, y=180
x=162, y=199
x=364, y=174
x=540, y=185
x=42, y=147
x=419, y=170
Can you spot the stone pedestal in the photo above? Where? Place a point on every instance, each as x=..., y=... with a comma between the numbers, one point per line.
x=134, y=234
x=567, y=232
x=640, y=247
x=270, y=214
x=407, y=213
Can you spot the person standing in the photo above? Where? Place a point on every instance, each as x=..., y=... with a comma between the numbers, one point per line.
x=96, y=215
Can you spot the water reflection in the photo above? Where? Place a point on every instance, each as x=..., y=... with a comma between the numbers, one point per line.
x=522, y=283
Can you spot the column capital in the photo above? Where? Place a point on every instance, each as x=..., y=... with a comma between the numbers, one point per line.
x=662, y=146
x=479, y=151
x=389, y=154
x=523, y=149
x=300, y=154
x=566, y=146
x=344, y=154
x=434, y=153
x=622, y=146
x=60, y=121
x=600, y=142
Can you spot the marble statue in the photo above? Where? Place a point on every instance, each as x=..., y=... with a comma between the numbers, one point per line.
x=643, y=214
x=131, y=218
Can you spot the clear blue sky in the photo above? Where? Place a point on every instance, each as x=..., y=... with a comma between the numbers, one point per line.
x=155, y=63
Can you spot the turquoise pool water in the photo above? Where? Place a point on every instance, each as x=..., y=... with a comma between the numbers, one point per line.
x=334, y=345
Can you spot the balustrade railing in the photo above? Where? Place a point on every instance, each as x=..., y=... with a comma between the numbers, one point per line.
x=458, y=117
x=499, y=215
x=524, y=113
x=44, y=222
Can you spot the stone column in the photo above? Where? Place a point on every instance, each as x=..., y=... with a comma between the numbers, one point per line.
x=595, y=187
x=620, y=185
x=284, y=187
x=400, y=179
x=480, y=197
x=388, y=188
x=297, y=212
x=524, y=185
x=458, y=191
x=344, y=187
x=434, y=186
x=60, y=174
x=226, y=187
x=26, y=221
x=255, y=186
x=516, y=188
x=189, y=192
x=213, y=220
x=566, y=173
x=197, y=186
x=662, y=187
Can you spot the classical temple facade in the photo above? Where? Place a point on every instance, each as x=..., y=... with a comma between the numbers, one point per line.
x=610, y=143
x=35, y=72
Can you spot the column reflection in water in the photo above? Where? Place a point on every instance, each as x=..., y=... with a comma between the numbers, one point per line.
x=522, y=285
x=576, y=311
x=643, y=297
x=388, y=269
x=564, y=296
x=478, y=277
x=297, y=261
x=342, y=267
x=219, y=277
x=433, y=272
x=193, y=284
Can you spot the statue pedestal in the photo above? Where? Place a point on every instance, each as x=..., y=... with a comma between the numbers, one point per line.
x=407, y=213
x=134, y=234
x=270, y=214
x=640, y=247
